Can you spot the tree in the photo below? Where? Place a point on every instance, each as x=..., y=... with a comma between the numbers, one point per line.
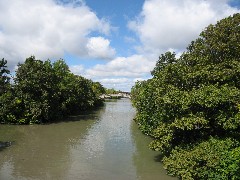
x=35, y=86
x=45, y=92
x=194, y=99
x=6, y=94
x=98, y=88
x=111, y=91
x=4, y=78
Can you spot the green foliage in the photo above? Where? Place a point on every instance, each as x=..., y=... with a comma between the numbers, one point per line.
x=211, y=159
x=194, y=97
x=111, y=91
x=4, y=78
x=45, y=92
x=98, y=89
x=7, y=105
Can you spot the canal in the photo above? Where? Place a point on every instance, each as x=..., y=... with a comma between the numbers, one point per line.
x=102, y=144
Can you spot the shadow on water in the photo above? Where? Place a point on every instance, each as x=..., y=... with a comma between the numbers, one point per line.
x=5, y=144
x=147, y=162
x=158, y=158
x=92, y=114
x=84, y=115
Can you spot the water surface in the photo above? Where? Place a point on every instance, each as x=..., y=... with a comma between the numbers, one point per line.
x=100, y=145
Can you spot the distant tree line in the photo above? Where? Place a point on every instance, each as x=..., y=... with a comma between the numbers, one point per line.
x=191, y=105
x=111, y=91
x=42, y=92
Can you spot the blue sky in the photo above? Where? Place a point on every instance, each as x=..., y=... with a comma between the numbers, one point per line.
x=115, y=42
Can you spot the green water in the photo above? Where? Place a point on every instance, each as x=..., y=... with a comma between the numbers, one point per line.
x=101, y=145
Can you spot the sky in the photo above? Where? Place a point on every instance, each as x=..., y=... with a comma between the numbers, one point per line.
x=114, y=42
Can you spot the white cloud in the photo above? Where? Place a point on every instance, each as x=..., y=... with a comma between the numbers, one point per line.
x=123, y=84
x=162, y=25
x=133, y=66
x=99, y=47
x=45, y=29
x=165, y=24
x=115, y=80
x=77, y=69
x=121, y=73
x=139, y=79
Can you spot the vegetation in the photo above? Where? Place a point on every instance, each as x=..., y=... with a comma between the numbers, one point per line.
x=191, y=106
x=4, y=76
x=44, y=92
x=111, y=91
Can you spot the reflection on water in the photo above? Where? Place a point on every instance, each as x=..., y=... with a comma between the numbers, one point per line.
x=104, y=144
x=106, y=151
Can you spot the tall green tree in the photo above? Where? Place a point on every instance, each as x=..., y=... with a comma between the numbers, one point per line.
x=98, y=88
x=35, y=86
x=45, y=92
x=6, y=94
x=192, y=103
x=4, y=76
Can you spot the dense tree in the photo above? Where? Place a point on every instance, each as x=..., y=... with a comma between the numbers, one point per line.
x=45, y=92
x=6, y=97
x=36, y=90
x=193, y=102
x=98, y=88
x=4, y=76
x=111, y=91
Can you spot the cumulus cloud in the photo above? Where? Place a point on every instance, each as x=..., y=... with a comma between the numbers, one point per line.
x=77, y=69
x=50, y=28
x=162, y=25
x=46, y=29
x=114, y=81
x=100, y=48
x=165, y=24
x=121, y=73
x=133, y=66
x=123, y=84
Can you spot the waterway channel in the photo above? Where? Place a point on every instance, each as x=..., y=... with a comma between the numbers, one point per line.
x=99, y=145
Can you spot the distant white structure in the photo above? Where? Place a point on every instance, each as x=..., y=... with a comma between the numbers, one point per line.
x=116, y=96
